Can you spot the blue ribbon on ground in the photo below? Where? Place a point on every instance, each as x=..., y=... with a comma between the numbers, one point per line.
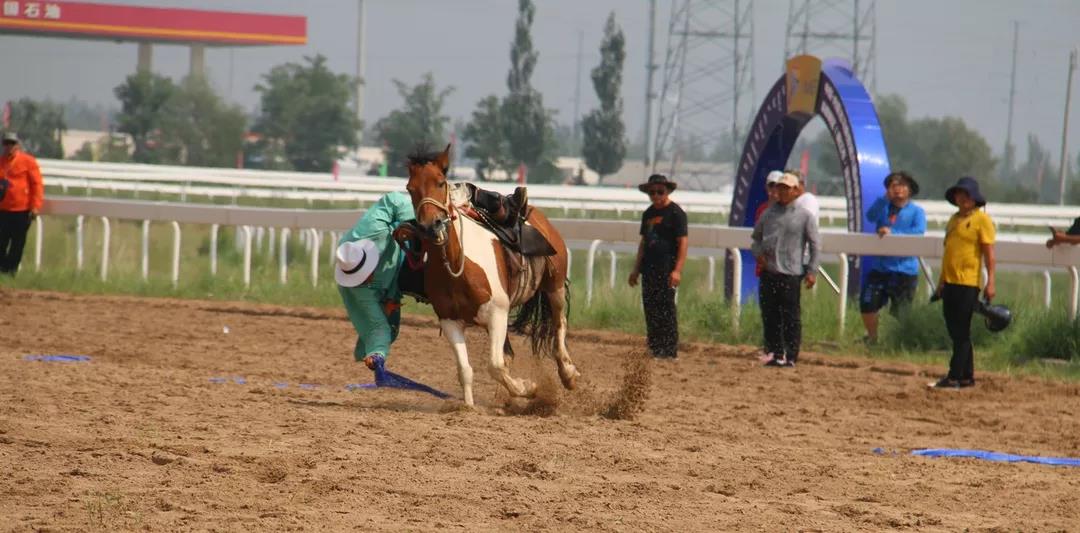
x=386, y=378
x=995, y=456
x=58, y=358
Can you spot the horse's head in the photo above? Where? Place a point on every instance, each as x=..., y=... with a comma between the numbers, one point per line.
x=430, y=193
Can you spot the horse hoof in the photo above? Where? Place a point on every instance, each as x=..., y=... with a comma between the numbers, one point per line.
x=569, y=379
x=530, y=388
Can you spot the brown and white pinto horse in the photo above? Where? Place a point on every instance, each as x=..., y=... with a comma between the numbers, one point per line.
x=472, y=279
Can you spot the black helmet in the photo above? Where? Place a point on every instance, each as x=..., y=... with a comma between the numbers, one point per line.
x=997, y=317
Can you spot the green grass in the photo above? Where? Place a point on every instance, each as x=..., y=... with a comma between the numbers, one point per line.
x=1037, y=335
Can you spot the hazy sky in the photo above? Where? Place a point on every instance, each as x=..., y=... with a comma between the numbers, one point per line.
x=945, y=58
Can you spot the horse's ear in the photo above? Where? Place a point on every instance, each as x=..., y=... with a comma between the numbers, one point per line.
x=443, y=161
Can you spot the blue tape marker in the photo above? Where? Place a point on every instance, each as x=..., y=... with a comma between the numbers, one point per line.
x=58, y=358
x=995, y=456
x=281, y=385
x=239, y=380
x=358, y=386
x=308, y=386
x=218, y=380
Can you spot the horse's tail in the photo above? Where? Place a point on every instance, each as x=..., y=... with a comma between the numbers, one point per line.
x=536, y=320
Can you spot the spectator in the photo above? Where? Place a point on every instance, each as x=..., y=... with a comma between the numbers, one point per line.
x=892, y=279
x=770, y=190
x=21, y=196
x=969, y=241
x=806, y=199
x=660, y=258
x=779, y=241
x=1071, y=236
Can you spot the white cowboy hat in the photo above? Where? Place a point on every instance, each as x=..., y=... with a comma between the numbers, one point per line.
x=356, y=260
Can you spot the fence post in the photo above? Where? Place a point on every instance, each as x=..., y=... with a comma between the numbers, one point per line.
x=283, y=250
x=213, y=248
x=842, y=311
x=175, y=254
x=106, y=233
x=590, y=260
x=930, y=287
x=736, y=288
x=1046, y=288
x=246, y=230
x=712, y=273
x=569, y=261
x=145, y=262
x=79, y=242
x=1075, y=282
x=40, y=234
x=614, y=269
x=313, y=241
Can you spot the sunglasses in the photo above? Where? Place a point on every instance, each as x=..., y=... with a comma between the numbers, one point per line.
x=657, y=192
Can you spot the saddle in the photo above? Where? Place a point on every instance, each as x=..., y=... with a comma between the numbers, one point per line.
x=519, y=236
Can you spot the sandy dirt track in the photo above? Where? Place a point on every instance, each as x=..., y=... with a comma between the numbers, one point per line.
x=140, y=438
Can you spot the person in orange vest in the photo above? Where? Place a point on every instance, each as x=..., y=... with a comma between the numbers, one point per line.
x=21, y=195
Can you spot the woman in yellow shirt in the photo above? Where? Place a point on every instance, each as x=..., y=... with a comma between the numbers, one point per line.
x=969, y=241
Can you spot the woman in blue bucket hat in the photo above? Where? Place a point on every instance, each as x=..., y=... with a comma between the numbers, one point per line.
x=969, y=244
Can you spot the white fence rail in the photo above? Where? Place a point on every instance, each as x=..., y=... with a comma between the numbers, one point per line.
x=223, y=182
x=589, y=235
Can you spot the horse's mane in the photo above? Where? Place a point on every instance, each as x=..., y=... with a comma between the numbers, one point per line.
x=423, y=154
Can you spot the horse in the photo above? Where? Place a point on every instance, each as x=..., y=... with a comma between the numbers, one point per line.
x=471, y=278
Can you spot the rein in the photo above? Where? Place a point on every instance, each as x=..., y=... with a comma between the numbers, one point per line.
x=451, y=211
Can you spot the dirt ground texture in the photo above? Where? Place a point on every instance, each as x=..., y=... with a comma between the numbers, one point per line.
x=143, y=437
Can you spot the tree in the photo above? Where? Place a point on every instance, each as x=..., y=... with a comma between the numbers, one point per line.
x=526, y=124
x=199, y=128
x=484, y=137
x=604, y=132
x=40, y=126
x=143, y=97
x=305, y=111
x=420, y=122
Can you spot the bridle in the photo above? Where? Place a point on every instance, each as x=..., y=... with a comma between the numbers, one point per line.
x=451, y=212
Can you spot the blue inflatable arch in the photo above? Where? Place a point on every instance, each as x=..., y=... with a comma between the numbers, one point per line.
x=810, y=88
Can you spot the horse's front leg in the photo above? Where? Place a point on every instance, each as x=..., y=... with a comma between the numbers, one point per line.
x=496, y=326
x=455, y=334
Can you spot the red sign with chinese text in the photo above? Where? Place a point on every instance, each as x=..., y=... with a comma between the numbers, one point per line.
x=150, y=23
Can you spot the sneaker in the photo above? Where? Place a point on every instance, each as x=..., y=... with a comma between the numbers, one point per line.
x=778, y=361
x=948, y=383
x=787, y=363
x=965, y=383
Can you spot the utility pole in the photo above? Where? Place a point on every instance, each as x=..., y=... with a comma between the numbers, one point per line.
x=650, y=68
x=1007, y=167
x=360, y=56
x=577, y=90
x=1065, y=130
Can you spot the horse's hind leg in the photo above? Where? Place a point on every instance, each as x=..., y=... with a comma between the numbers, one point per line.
x=568, y=372
x=497, y=337
x=455, y=333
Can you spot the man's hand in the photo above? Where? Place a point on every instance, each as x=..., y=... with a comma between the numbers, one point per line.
x=883, y=231
x=633, y=277
x=990, y=290
x=674, y=278
x=1059, y=236
x=811, y=280
x=402, y=234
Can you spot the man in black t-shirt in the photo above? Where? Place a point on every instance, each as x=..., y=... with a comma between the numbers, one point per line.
x=660, y=260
